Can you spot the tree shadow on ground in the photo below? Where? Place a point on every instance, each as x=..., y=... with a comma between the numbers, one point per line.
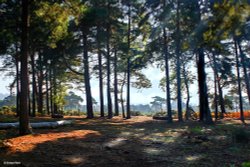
x=148, y=143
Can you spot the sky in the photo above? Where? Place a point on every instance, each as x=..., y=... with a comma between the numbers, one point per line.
x=142, y=96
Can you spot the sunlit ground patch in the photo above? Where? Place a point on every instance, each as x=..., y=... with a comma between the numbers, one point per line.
x=191, y=158
x=115, y=143
x=28, y=143
x=152, y=151
x=74, y=160
x=125, y=134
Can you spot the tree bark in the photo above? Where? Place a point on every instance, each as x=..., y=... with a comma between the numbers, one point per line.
x=100, y=72
x=215, y=97
x=128, y=63
x=188, y=93
x=47, y=91
x=221, y=98
x=40, y=85
x=51, y=91
x=178, y=63
x=121, y=96
x=205, y=114
x=116, y=85
x=166, y=59
x=89, y=102
x=246, y=78
x=216, y=78
x=38, y=124
x=239, y=82
x=55, y=107
x=34, y=92
x=17, y=87
x=24, y=127
x=110, y=108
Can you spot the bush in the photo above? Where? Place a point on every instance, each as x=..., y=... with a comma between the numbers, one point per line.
x=136, y=113
x=73, y=113
x=7, y=110
x=160, y=114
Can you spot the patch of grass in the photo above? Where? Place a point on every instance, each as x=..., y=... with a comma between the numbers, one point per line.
x=196, y=130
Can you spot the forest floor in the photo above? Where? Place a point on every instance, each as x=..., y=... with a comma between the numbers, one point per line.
x=140, y=141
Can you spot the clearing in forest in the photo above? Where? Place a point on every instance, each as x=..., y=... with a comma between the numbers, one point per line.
x=139, y=141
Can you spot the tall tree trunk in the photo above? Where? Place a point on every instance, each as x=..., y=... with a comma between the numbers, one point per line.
x=89, y=102
x=246, y=78
x=116, y=103
x=34, y=92
x=55, y=108
x=29, y=99
x=40, y=85
x=178, y=63
x=215, y=86
x=221, y=98
x=215, y=97
x=47, y=91
x=121, y=96
x=110, y=108
x=100, y=72
x=24, y=127
x=128, y=63
x=188, y=93
x=168, y=96
x=51, y=91
x=17, y=87
x=166, y=58
x=17, y=60
x=205, y=114
x=239, y=82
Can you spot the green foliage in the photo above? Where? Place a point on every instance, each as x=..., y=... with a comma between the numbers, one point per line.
x=72, y=100
x=196, y=130
x=160, y=114
x=229, y=17
x=136, y=113
x=57, y=17
x=245, y=164
x=7, y=110
x=73, y=113
x=141, y=81
x=228, y=102
x=157, y=103
x=59, y=98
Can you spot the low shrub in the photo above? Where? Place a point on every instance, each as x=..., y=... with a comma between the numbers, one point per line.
x=136, y=113
x=73, y=113
x=160, y=114
x=7, y=110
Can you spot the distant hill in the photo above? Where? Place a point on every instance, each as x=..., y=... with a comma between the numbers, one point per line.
x=2, y=96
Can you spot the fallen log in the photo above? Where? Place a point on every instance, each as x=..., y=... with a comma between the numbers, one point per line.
x=37, y=124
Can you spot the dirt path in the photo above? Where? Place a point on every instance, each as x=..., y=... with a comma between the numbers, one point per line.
x=140, y=141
